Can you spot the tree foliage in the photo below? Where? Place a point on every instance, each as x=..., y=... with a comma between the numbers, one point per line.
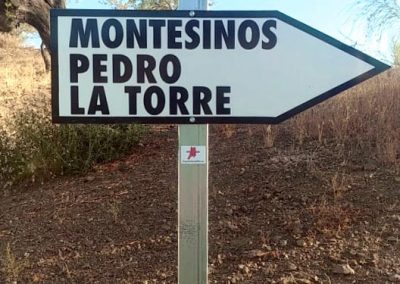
x=7, y=20
x=380, y=15
x=35, y=13
x=142, y=4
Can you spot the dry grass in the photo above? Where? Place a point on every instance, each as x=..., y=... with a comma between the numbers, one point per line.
x=9, y=41
x=11, y=266
x=330, y=219
x=114, y=208
x=23, y=79
x=31, y=147
x=362, y=123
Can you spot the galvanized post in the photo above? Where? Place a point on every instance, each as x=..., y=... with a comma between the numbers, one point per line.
x=193, y=193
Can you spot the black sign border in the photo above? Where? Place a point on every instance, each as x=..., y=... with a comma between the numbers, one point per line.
x=56, y=118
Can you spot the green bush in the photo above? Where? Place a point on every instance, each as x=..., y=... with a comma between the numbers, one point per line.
x=33, y=148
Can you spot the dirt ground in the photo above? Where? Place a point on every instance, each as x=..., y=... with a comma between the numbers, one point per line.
x=277, y=215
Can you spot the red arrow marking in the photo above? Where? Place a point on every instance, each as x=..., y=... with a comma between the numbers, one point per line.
x=192, y=153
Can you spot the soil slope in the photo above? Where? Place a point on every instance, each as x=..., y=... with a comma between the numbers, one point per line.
x=277, y=215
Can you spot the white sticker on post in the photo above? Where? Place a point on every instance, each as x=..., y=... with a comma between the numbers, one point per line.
x=193, y=155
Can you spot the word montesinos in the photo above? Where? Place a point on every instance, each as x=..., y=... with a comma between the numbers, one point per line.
x=143, y=56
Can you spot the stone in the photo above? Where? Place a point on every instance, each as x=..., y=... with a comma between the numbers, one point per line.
x=89, y=178
x=165, y=227
x=353, y=262
x=395, y=278
x=337, y=259
x=268, y=248
x=291, y=266
x=353, y=252
x=343, y=269
x=396, y=217
x=375, y=258
x=232, y=226
x=256, y=253
x=303, y=281
x=301, y=243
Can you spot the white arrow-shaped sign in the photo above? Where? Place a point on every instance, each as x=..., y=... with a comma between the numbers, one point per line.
x=195, y=67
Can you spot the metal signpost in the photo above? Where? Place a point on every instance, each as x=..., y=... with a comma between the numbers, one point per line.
x=193, y=192
x=194, y=67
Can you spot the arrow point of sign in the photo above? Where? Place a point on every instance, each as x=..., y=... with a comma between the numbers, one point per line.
x=378, y=67
x=336, y=67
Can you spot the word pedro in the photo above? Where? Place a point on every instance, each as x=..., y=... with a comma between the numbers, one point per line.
x=122, y=72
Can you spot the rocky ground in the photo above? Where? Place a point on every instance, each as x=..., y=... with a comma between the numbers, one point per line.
x=282, y=214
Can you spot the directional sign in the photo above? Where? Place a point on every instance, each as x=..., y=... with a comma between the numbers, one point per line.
x=195, y=66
